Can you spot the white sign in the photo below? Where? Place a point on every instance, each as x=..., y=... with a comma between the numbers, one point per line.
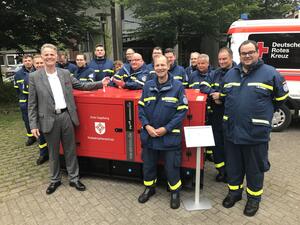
x=199, y=136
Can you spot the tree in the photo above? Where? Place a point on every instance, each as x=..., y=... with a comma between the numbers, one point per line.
x=31, y=23
x=165, y=21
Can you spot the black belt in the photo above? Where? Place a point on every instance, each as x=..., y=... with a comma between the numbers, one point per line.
x=60, y=111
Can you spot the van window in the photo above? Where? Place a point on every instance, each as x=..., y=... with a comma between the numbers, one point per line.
x=11, y=60
x=281, y=50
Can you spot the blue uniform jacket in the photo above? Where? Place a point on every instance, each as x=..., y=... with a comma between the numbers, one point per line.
x=134, y=80
x=102, y=68
x=68, y=66
x=179, y=73
x=189, y=70
x=163, y=106
x=85, y=74
x=150, y=67
x=250, y=101
x=196, y=78
x=21, y=83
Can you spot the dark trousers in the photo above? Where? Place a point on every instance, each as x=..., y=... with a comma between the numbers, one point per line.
x=218, y=149
x=172, y=161
x=43, y=145
x=249, y=160
x=62, y=132
x=24, y=111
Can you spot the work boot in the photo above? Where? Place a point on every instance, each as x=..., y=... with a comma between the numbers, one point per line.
x=230, y=200
x=42, y=159
x=148, y=192
x=221, y=176
x=175, y=200
x=30, y=141
x=251, y=207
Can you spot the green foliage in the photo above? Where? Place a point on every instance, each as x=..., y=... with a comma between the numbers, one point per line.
x=32, y=23
x=165, y=21
x=8, y=94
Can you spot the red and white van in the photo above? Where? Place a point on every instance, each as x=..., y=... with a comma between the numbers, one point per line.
x=279, y=45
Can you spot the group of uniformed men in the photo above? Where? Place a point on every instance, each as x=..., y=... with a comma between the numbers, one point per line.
x=240, y=104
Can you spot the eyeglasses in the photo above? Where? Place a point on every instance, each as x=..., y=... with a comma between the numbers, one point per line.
x=247, y=53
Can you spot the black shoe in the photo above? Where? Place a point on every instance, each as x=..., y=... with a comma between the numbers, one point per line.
x=78, y=185
x=148, y=192
x=175, y=200
x=230, y=200
x=52, y=187
x=221, y=177
x=30, y=141
x=42, y=159
x=251, y=207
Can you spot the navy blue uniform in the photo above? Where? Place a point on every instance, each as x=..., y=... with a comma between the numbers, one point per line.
x=150, y=67
x=68, y=66
x=85, y=74
x=189, y=70
x=102, y=68
x=134, y=80
x=212, y=83
x=250, y=101
x=196, y=78
x=21, y=83
x=162, y=105
x=179, y=73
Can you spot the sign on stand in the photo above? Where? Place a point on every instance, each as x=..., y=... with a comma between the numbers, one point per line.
x=198, y=136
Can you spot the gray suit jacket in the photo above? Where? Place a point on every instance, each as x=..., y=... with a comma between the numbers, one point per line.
x=41, y=105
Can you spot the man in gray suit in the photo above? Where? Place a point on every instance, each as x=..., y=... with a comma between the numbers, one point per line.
x=51, y=109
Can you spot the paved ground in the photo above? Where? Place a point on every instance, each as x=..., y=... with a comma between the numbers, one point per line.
x=110, y=201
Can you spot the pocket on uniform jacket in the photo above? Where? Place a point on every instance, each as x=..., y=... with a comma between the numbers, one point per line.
x=172, y=140
x=260, y=128
x=262, y=92
x=144, y=136
x=177, y=159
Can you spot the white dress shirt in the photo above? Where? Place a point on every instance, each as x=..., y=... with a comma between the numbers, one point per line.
x=58, y=94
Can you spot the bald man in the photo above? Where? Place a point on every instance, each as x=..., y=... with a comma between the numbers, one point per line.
x=135, y=76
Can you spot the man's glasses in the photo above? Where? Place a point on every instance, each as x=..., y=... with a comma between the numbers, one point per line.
x=244, y=54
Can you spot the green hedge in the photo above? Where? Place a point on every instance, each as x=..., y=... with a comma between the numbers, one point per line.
x=8, y=94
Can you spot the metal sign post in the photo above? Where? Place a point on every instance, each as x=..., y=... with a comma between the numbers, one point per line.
x=192, y=135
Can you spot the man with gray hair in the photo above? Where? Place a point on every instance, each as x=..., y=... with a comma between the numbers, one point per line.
x=51, y=109
x=202, y=71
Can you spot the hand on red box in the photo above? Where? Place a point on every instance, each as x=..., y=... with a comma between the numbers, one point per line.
x=119, y=83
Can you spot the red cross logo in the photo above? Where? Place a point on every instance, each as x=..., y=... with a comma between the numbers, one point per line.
x=261, y=49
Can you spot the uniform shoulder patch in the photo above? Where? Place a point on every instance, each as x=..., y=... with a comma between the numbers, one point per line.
x=285, y=87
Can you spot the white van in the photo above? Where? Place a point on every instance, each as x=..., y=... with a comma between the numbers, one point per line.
x=279, y=45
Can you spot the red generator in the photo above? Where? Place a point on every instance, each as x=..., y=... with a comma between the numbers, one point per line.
x=108, y=140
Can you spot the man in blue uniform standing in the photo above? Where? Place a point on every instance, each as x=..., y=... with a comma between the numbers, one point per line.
x=177, y=71
x=135, y=76
x=162, y=108
x=64, y=64
x=21, y=82
x=157, y=51
x=193, y=64
x=83, y=73
x=211, y=86
x=102, y=66
x=201, y=73
x=38, y=64
x=251, y=91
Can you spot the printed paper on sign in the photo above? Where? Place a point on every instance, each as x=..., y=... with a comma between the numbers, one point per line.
x=100, y=127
